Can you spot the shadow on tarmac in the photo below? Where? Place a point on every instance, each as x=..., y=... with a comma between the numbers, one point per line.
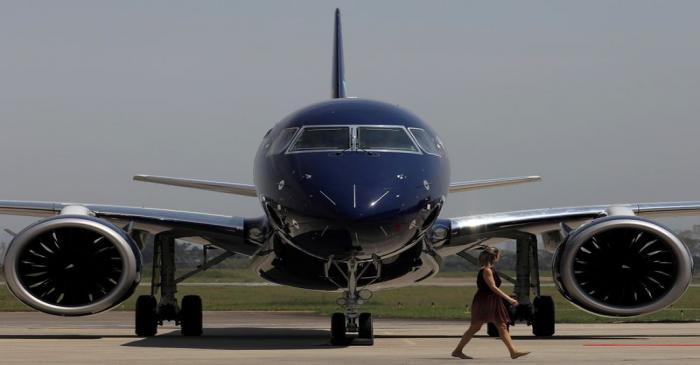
x=241, y=338
x=247, y=338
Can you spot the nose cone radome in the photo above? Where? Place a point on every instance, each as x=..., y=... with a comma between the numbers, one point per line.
x=364, y=192
x=362, y=211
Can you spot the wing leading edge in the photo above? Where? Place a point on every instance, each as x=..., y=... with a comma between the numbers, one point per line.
x=490, y=183
x=227, y=232
x=479, y=229
x=218, y=186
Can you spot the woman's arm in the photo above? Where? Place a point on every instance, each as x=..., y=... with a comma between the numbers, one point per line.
x=488, y=278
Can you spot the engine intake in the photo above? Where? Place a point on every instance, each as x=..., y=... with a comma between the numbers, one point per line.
x=622, y=266
x=72, y=265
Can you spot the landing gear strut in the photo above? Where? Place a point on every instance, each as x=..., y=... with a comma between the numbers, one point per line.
x=352, y=320
x=150, y=312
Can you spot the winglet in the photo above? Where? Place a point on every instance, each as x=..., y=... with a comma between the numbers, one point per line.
x=339, y=88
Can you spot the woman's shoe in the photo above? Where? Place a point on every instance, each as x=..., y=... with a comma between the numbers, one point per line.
x=461, y=355
x=518, y=354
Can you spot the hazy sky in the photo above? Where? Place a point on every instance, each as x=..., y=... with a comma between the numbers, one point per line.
x=600, y=98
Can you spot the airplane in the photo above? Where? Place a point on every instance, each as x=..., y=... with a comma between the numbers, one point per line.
x=352, y=190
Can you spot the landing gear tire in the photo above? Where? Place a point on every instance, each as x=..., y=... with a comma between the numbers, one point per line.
x=492, y=330
x=543, y=316
x=365, y=329
x=146, y=318
x=191, y=315
x=338, y=329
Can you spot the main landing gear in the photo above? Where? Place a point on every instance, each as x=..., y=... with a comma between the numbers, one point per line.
x=150, y=312
x=538, y=312
x=352, y=321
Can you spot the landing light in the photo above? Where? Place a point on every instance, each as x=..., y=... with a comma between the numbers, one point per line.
x=364, y=294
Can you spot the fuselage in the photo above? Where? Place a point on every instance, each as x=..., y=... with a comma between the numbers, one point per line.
x=372, y=195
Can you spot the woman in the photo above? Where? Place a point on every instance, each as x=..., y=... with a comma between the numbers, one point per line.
x=488, y=306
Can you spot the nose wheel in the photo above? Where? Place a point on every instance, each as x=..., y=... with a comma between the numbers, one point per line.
x=352, y=321
x=340, y=324
x=338, y=330
x=364, y=327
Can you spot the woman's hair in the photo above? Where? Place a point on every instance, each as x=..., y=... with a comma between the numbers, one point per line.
x=488, y=256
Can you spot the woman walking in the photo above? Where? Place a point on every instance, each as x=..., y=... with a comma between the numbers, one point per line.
x=488, y=306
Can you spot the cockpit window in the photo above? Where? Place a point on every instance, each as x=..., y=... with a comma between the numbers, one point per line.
x=384, y=138
x=323, y=138
x=282, y=140
x=429, y=143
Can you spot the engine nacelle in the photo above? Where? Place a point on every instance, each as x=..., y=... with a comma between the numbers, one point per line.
x=72, y=265
x=622, y=266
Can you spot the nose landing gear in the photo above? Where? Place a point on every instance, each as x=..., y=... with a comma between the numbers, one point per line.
x=352, y=320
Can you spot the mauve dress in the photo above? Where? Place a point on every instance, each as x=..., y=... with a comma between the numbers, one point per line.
x=488, y=306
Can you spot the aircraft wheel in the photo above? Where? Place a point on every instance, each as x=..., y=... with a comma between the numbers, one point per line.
x=543, y=316
x=146, y=318
x=338, y=329
x=365, y=329
x=191, y=315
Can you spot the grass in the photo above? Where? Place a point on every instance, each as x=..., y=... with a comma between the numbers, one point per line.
x=411, y=302
x=245, y=275
x=214, y=276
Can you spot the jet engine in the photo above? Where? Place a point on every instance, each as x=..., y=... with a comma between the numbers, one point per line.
x=622, y=266
x=72, y=265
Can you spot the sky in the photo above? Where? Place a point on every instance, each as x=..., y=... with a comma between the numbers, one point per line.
x=601, y=98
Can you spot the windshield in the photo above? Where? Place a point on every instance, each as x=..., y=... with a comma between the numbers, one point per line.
x=282, y=140
x=430, y=144
x=323, y=138
x=384, y=138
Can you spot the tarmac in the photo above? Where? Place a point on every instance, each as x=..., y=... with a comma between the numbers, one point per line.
x=302, y=338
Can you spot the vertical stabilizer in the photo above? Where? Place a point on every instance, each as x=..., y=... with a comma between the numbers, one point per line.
x=339, y=90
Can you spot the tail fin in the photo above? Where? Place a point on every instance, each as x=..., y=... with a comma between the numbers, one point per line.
x=339, y=90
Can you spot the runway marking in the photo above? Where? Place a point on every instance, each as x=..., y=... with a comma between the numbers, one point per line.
x=407, y=341
x=642, y=344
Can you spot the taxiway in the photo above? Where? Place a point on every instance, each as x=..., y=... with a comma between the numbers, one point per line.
x=302, y=338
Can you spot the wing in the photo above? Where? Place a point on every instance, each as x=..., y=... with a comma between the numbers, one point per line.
x=469, y=231
x=218, y=186
x=234, y=234
x=490, y=183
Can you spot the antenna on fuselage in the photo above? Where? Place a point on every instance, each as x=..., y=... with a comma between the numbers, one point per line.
x=339, y=89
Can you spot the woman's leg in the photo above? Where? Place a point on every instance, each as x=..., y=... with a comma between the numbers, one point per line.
x=505, y=336
x=468, y=334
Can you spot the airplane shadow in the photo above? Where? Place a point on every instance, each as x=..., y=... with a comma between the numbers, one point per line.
x=244, y=338
x=241, y=338
x=248, y=338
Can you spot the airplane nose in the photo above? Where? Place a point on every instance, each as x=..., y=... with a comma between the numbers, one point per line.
x=376, y=220
x=358, y=206
x=353, y=202
x=364, y=192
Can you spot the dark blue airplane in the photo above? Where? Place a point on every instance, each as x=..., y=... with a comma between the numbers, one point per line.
x=351, y=191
